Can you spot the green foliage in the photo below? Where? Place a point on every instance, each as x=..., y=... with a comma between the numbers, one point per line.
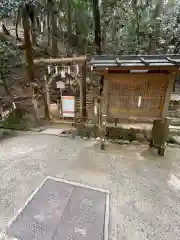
x=16, y=120
x=128, y=27
x=7, y=7
x=9, y=53
x=6, y=133
x=10, y=58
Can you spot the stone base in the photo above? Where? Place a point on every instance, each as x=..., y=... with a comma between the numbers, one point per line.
x=114, y=133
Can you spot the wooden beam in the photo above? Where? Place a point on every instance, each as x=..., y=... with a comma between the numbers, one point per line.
x=49, y=61
x=173, y=61
x=144, y=61
x=169, y=68
x=151, y=76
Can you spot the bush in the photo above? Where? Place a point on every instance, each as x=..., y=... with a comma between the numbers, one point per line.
x=16, y=120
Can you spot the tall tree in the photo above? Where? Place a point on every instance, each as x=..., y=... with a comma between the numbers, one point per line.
x=97, y=26
x=25, y=8
x=51, y=6
x=69, y=28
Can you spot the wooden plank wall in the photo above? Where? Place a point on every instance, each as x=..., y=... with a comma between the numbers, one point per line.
x=125, y=91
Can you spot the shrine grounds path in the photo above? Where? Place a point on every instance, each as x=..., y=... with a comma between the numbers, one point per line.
x=145, y=188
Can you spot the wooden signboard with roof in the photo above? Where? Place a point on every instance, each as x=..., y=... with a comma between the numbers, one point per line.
x=137, y=86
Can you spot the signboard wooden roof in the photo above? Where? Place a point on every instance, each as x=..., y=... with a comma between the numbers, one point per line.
x=136, y=62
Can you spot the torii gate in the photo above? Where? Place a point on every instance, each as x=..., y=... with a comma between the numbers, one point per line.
x=82, y=61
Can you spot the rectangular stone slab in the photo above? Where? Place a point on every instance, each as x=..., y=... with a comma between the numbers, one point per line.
x=61, y=210
x=83, y=217
x=41, y=216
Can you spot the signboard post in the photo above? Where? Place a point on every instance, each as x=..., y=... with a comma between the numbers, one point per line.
x=60, y=85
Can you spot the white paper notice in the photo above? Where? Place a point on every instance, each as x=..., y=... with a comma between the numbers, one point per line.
x=63, y=74
x=68, y=105
x=49, y=69
x=42, y=27
x=60, y=84
x=139, y=101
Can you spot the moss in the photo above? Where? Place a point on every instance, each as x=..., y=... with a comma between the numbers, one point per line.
x=6, y=133
x=16, y=120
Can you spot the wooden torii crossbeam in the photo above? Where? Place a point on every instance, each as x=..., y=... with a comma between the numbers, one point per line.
x=77, y=60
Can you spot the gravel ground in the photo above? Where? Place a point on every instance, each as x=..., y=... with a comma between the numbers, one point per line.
x=145, y=188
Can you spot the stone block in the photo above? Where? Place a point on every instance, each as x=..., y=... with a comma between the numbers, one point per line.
x=132, y=135
x=177, y=114
x=140, y=137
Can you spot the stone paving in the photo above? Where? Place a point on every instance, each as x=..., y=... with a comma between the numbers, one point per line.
x=145, y=188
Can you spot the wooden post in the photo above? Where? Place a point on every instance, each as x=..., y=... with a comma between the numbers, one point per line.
x=104, y=103
x=61, y=104
x=47, y=107
x=106, y=100
x=83, y=93
x=171, y=79
x=160, y=133
x=35, y=105
x=1, y=111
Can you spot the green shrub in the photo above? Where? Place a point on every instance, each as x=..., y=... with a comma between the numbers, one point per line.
x=16, y=120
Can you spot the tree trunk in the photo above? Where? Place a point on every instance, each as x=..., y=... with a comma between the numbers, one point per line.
x=158, y=9
x=97, y=26
x=46, y=98
x=53, y=14
x=69, y=26
x=6, y=88
x=157, y=13
x=1, y=111
x=29, y=53
x=54, y=35
x=137, y=28
x=28, y=45
x=137, y=22
x=33, y=32
x=48, y=28
x=17, y=22
x=6, y=32
x=3, y=78
x=38, y=24
x=104, y=10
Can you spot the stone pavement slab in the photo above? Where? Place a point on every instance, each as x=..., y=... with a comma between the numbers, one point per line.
x=60, y=210
x=53, y=131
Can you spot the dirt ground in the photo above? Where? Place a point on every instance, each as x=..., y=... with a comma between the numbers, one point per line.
x=145, y=188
